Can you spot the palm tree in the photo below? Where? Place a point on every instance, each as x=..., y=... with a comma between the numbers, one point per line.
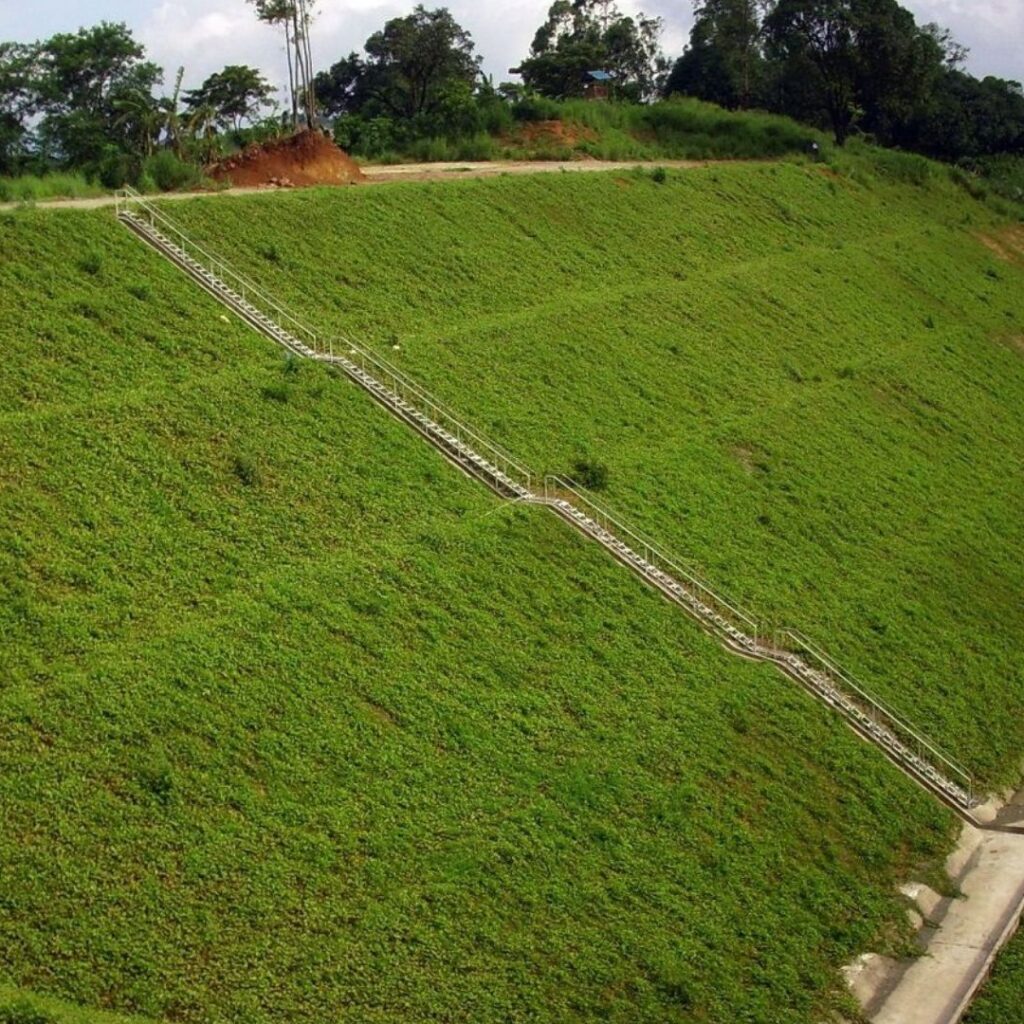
x=172, y=115
x=202, y=126
x=141, y=118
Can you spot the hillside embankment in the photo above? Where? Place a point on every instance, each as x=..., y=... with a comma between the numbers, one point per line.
x=297, y=718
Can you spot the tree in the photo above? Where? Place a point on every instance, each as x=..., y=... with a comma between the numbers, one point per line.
x=17, y=102
x=898, y=66
x=593, y=35
x=417, y=68
x=813, y=42
x=237, y=94
x=141, y=119
x=724, y=62
x=80, y=79
x=295, y=17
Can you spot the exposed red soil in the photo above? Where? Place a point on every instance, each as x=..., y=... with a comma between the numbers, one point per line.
x=308, y=158
x=550, y=133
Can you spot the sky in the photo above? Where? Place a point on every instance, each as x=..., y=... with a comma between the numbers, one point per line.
x=205, y=35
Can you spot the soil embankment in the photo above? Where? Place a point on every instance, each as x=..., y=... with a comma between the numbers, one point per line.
x=307, y=158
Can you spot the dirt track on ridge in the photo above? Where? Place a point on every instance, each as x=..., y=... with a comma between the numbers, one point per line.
x=385, y=175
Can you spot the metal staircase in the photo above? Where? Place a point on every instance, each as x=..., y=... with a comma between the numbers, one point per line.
x=736, y=628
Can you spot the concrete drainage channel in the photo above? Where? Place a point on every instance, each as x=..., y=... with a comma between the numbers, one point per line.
x=735, y=628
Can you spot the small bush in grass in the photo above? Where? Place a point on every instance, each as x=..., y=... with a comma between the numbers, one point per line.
x=659, y=175
x=91, y=264
x=246, y=470
x=23, y=1012
x=592, y=475
x=169, y=173
x=275, y=393
x=271, y=253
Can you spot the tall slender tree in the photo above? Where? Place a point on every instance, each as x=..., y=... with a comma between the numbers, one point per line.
x=296, y=18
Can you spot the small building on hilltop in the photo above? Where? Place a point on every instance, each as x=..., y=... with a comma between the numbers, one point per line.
x=598, y=85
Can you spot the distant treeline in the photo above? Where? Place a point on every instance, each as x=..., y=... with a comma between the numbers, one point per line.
x=91, y=102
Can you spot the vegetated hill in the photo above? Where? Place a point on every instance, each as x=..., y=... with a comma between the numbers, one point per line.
x=809, y=380
x=299, y=723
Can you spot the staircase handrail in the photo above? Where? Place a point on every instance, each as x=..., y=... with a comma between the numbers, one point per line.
x=790, y=648
x=128, y=196
x=894, y=720
x=436, y=407
x=554, y=483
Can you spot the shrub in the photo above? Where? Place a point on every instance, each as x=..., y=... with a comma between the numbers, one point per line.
x=592, y=475
x=169, y=173
x=91, y=263
x=275, y=393
x=659, y=175
x=23, y=1012
x=246, y=471
x=907, y=168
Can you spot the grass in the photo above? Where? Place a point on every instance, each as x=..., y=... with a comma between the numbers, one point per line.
x=681, y=128
x=298, y=723
x=1001, y=1001
x=807, y=382
x=29, y=188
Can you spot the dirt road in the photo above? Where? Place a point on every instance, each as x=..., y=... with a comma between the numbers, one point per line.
x=385, y=175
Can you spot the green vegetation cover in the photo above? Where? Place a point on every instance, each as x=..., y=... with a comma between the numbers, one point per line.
x=808, y=380
x=298, y=723
x=1002, y=999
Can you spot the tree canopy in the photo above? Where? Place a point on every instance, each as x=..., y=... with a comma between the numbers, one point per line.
x=580, y=36
x=410, y=69
x=849, y=65
x=236, y=94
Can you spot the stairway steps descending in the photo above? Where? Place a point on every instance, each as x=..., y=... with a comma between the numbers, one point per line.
x=825, y=685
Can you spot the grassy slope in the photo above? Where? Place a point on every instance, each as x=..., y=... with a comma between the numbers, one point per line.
x=1002, y=999
x=807, y=383
x=297, y=723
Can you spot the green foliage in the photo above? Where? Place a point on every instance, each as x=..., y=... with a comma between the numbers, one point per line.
x=852, y=66
x=709, y=341
x=236, y=95
x=1001, y=1001
x=582, y=36
x=18, y=1006
x=32, y=188
x=592, y=475
x=418, y=71
x=362, y=737
x=169, y=173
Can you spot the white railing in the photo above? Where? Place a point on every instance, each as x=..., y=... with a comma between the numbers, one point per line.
x=340, y=351
x=882, y=714
x=407, y=390
x=129, y=202
x=559, y=487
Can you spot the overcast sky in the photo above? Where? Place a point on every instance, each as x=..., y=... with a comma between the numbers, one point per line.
x=204, y=35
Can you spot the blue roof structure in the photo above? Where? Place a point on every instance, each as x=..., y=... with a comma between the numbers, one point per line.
x=600, y=76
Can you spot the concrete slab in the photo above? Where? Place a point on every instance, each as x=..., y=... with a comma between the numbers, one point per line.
x=938, y=988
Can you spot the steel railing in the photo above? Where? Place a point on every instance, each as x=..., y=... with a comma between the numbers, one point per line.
x=883, y=715
x=556, y=487
x=127, y=201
